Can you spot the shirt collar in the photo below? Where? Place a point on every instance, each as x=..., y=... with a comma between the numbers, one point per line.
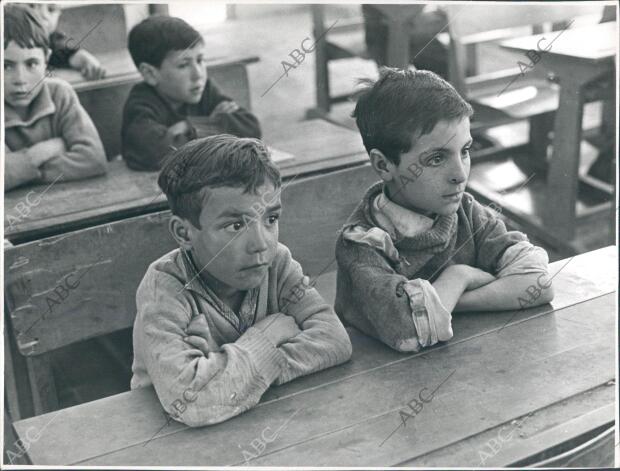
x=42, y=105
x=398, y=221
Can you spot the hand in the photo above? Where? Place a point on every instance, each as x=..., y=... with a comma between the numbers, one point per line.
x=87, y=64
x=278, y=328
x=179, y=133
x=44, y=151
x=226, y=107
x=198, y=335
x=474, y=277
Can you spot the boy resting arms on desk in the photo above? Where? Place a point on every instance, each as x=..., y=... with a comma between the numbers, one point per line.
x=217, y=319
x=418, y=246
x=177, y=102
x=48, y=135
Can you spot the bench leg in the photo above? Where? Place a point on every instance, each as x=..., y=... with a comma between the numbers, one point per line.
x=44, y=394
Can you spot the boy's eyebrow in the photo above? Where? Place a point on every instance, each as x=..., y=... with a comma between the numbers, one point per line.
x=443, y=148
x=235, y=212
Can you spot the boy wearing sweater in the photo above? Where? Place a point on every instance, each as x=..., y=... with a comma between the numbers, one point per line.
x=177, y=102
x=418, y=247
x=48, y=135
x=220, y=319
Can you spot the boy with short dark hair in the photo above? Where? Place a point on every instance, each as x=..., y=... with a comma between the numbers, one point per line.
x=220, y=318
x=177, y=102
x=48, y=135
x=418, y=246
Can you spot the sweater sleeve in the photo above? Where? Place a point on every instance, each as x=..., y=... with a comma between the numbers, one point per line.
x=84, y=156
x=240, y=123
x=195, y=388
x=404, y=314
x=323, y=341
x=145, y=138
x=490, y=235
x=18, y=168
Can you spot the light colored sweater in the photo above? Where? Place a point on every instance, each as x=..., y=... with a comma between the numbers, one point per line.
x=55, y=112
x=199, y=389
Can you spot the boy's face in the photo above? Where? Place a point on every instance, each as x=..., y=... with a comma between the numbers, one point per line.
x=48, y=14
x=239, y=237
x=182, y=76
x=431, y=177
x=24, y=71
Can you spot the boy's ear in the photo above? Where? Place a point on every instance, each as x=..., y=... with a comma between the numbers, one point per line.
x=382, y=165
x=149, y=73
x=180, y=231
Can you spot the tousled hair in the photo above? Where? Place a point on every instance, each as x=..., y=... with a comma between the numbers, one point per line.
x=152, y=39
x=212, y=162
x=403, y=105
x=23, y=27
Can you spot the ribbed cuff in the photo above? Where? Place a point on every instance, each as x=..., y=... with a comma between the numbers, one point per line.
x=267, y=358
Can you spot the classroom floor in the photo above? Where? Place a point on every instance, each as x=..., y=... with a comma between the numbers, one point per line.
x=272, y=38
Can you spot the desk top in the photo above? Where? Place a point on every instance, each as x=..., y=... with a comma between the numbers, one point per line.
x=120, y=68
x=52, y=209
x=593, y=43
x=549, y=368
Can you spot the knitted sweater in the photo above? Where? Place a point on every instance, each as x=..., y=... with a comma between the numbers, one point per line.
x=384, y=279
x=55, y=112
x=147, y=116
x=200, y=389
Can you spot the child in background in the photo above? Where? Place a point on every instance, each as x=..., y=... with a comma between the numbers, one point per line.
x=48, y=135
x=66, y=52
x=177, y=102
x=418, y=246
x=220, y=318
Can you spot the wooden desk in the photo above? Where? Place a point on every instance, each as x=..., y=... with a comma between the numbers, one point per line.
x=548, y=367
x=577, y=57
x=318, y=146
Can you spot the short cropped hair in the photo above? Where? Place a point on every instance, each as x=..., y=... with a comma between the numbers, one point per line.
x=402, y=106
x=212, y=162
x=21, y=26
x=152, y=39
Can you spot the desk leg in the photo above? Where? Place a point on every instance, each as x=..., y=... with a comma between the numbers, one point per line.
x=563, y=178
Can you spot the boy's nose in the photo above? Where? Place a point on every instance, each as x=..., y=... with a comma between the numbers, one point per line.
x=459, y=173
x=258, y=238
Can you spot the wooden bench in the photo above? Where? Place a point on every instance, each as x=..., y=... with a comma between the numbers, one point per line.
x=542, y=377
x=80, y=285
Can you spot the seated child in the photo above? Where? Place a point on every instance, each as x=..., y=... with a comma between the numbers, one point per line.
x=177, y=102
x=418, y=246
x=66, y=52
x=48, y=135
x=221, y=318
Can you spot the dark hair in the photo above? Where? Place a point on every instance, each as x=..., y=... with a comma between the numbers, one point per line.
x=214, y=161
x=152, y=39
x=403, y=105
x=21, y=26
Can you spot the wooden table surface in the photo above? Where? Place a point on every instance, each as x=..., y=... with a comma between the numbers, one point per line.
x=550, y=368
x=576, y=57
x=317, y=146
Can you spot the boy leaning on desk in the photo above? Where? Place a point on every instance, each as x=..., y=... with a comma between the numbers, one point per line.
x=177, y=102
x=219, y=319
x=48, y=135
x=418, y=247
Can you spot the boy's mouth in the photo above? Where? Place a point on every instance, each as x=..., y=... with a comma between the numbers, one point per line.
x=453, y=196
x=256, y=266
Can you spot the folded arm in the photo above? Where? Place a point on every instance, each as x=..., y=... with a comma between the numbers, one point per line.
x=194, y=387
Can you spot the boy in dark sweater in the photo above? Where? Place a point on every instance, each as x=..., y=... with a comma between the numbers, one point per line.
x=177, y=102
x=418, y=246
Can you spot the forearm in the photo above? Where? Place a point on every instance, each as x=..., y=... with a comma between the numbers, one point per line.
x=510, y=292
x=449, y=289
x=19, y=169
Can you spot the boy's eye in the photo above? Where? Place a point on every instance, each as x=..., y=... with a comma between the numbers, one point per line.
x=234, y=227
x=465, y=152
x=273, y=219
x=436, y=159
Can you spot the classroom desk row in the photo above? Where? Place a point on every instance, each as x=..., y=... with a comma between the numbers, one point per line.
x=316, y=146
x=538, y=382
